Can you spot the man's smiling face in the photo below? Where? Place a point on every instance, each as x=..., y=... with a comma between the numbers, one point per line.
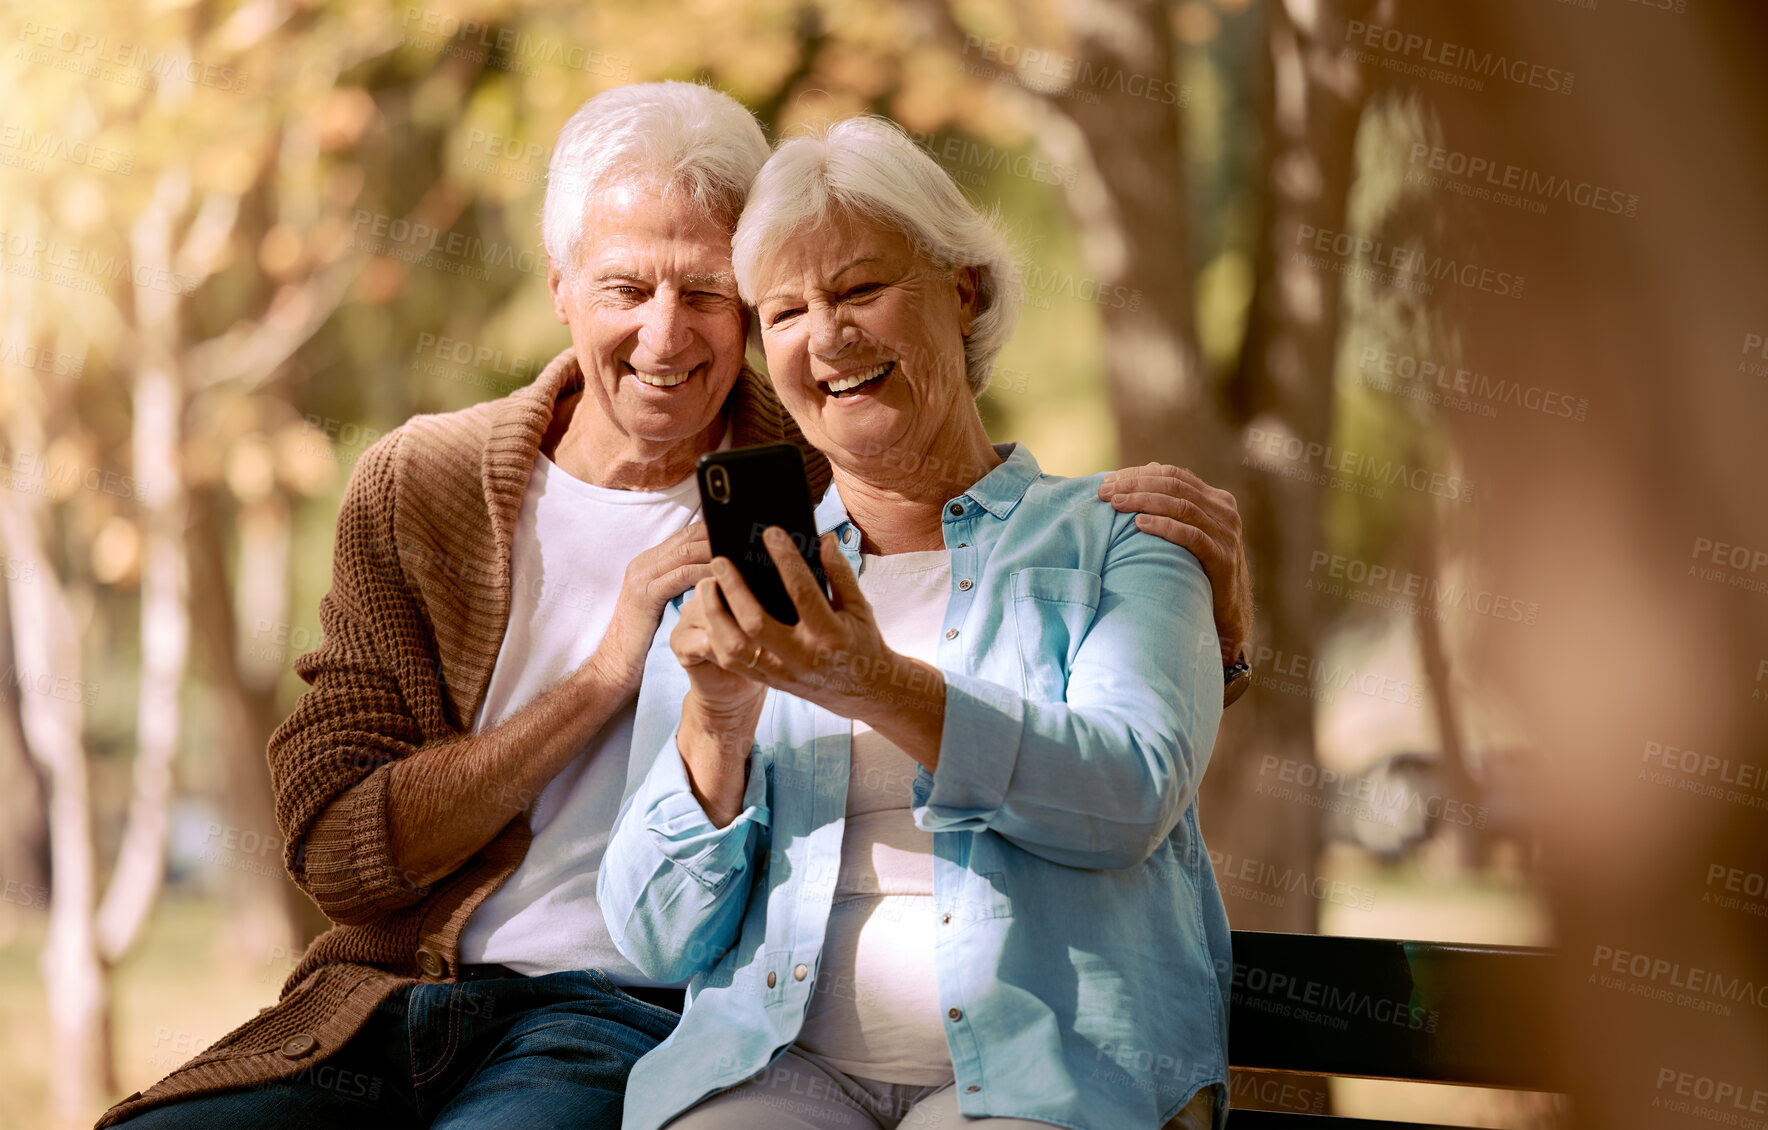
x=653, y=311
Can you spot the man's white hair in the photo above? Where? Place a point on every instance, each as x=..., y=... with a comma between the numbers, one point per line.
x=694, y=139
x=870, y=168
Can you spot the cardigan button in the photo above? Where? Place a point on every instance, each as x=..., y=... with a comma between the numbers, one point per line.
x=297, y=1046
x=430, y=962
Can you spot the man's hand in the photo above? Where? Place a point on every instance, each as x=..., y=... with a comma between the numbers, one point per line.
x=654, y=578
x=1173, y=503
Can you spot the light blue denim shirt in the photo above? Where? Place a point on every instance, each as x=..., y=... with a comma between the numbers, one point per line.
x=1082, y=954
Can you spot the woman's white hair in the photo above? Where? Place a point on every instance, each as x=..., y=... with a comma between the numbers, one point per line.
x=693, y=138
x=871, y=169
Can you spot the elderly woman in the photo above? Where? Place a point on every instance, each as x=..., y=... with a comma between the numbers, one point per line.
x=934, y=849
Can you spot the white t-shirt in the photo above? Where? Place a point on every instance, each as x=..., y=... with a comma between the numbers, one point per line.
x=875, y=1010
x=573, y=542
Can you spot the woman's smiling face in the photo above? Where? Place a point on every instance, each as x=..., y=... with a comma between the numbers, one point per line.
x=865, y=342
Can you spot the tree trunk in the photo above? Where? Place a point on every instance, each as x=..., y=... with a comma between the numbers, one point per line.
x=75, y=981
x=1128, y=201
x=1285, y=383
x=165, y=614
x=266, y=911
x=1458, y=782
x=24, y=817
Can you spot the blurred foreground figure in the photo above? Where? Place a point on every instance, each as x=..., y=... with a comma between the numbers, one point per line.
x=1641, y=529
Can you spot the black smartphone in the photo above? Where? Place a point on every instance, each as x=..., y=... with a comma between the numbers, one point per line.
x=745, y=490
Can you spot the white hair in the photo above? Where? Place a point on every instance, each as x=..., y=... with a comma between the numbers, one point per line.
x=870, y=168
x=693, y=138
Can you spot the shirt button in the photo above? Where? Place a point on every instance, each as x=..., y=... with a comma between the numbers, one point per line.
x=800, y=972
x=971, y=1089
x=847, y=536
x=957, y=509
x=297, y=1046
x=963, y=545
x=945, y=920
x=956, y=1014
x=964, y=585
x=772, y=978
x=430, y=962
x=951, y=633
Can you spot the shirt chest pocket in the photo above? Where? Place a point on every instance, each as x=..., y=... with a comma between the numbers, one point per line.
x=1052, y=610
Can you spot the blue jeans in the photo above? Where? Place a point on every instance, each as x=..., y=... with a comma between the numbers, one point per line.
x=527, y=1052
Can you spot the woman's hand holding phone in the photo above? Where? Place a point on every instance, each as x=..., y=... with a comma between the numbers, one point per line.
x=834, y=656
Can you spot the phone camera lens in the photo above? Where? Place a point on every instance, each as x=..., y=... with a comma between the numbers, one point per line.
x=718, y=484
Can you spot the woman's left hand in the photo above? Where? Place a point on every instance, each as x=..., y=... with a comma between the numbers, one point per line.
x=835, y=656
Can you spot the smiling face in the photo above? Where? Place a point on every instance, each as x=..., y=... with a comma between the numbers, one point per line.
x=654, y=315
x=865, y=344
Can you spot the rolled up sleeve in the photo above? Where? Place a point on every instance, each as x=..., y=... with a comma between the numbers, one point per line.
x=673, y=886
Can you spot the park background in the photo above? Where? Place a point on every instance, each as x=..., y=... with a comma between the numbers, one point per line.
x=1465, y=302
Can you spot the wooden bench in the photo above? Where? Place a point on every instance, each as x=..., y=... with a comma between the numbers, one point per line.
x=1378, y=1008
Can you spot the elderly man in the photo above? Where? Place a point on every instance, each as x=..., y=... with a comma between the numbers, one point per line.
x=448, y=784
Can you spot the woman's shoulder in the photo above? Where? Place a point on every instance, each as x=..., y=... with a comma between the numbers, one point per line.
x=1075, y=502
x=1063, y=508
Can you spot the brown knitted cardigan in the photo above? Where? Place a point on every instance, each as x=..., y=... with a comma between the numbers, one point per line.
x=412, y=627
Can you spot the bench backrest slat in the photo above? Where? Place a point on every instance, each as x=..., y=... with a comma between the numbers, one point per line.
x=1382, y=1008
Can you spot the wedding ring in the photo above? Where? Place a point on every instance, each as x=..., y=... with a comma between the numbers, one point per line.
x=756, y=658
